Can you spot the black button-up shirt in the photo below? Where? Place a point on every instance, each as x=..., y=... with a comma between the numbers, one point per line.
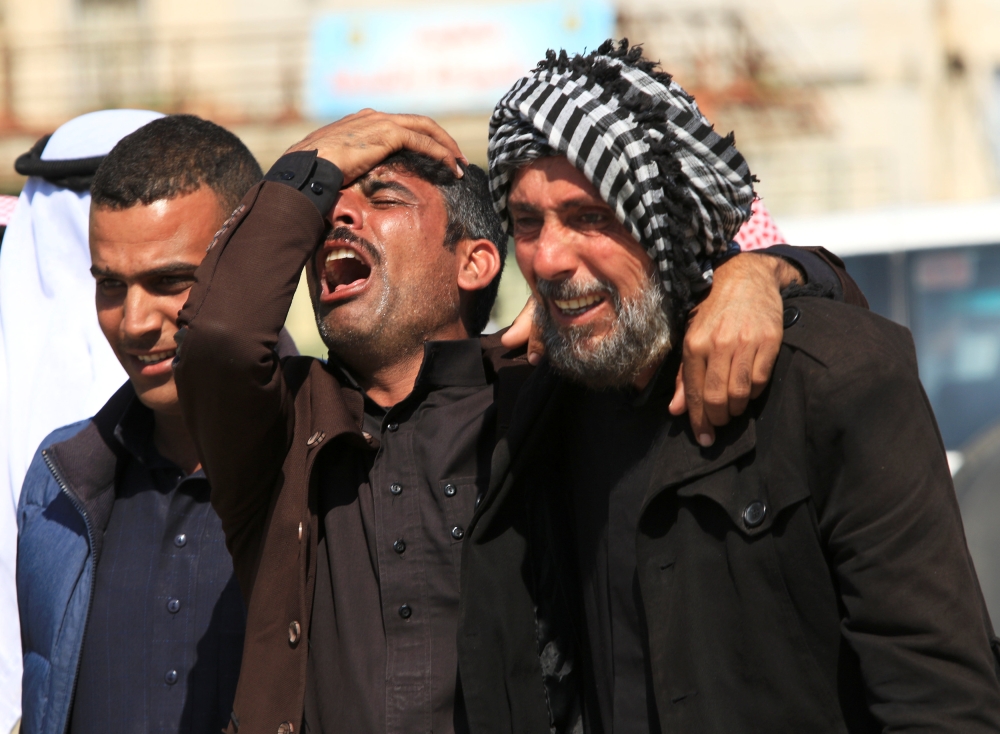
x=383, y=655
x=164, y=638
x=608, y=437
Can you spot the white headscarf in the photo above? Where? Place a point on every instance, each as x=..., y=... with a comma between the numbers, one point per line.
x=56, y=367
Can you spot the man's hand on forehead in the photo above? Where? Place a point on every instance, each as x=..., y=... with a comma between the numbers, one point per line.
x=359, y=142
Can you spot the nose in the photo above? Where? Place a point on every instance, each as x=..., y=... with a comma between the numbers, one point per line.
x=141, y=316
x=555, y=255
x=349, y=210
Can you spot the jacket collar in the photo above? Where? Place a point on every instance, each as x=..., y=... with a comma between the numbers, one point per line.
x=85, y=464
x=678, y=455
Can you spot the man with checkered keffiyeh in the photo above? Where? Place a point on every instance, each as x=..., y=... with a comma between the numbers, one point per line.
x=804, y=572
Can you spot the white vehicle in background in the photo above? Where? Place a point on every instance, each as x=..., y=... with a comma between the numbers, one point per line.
x=936, y=270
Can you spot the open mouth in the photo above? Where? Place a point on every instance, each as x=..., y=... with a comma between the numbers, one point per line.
x=344, y=268
x=156, y=357
x=577, y=306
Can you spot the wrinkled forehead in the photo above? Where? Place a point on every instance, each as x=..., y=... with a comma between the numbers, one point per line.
x=551, y=181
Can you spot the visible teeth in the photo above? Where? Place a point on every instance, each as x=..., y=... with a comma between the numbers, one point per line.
x=156, y=356
x=575, y=304
x=340, y=253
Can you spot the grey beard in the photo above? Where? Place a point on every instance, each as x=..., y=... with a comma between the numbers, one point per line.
x=640, y=335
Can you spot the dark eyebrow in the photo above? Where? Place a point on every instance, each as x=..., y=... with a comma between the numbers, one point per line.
x=171, y=269
x=582, y=202
x=518, y=206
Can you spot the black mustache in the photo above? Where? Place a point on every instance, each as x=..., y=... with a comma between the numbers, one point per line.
x=345, y=235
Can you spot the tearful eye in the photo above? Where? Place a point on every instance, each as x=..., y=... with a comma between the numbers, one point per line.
x=593, y=218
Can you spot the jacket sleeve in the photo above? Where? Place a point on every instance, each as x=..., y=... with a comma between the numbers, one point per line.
x=911, y=607
x=822, y=267
x=229, y=379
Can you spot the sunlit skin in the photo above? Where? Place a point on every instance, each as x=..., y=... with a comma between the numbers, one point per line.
x=409, y=285
x=564, y=231
x=144, y=259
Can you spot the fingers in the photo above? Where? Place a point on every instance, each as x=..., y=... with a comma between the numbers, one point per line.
x=678, y=403
x=525, y=331
x=694, y=368
x=427, y=126
x=740, y=381
x=519, y=332
x=763, y=366
x=428, y=146
x=716, y=389
x=536, y=347
x=360, y=141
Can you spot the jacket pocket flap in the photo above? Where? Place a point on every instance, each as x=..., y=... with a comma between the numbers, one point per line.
x=745, y=496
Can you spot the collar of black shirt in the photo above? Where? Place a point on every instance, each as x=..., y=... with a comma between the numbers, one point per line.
x=135, y=433
x=453, y=363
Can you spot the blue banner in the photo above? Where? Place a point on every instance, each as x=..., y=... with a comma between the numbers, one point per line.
x=440, y=59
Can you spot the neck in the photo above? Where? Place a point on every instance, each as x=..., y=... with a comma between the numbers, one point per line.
x=174, y=442
x=389, y=383
x=646, y=376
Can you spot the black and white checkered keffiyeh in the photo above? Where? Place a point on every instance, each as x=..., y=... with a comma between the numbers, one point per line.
x=681, y=189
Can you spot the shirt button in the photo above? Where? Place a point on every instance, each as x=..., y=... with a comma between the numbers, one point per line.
x=449, y=490
x=286, y=727
x=395, y=488
x=294, y=631
x=181, y=540
x=317, y=187
x=399, y=546
x=170, y=677
x=174, y=606
x=405, y=611
x=287, y=175
x=393, y=427
x=457, y=533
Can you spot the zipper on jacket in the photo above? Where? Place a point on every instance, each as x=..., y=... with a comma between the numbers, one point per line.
x=75, y=501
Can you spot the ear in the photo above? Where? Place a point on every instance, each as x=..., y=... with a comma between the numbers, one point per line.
x=478, y=263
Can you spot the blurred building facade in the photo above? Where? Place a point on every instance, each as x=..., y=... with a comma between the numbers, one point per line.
x=837, y=105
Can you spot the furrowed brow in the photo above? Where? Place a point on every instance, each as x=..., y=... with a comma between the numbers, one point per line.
x=517, y=206
x=371, y=186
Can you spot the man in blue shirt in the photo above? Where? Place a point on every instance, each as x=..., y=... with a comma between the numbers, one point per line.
x=131, y=617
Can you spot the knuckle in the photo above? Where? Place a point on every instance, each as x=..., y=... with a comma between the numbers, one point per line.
x=716, y=398
x=739, y=392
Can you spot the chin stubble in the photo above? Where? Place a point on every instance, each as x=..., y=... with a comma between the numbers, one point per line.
x=639, y=337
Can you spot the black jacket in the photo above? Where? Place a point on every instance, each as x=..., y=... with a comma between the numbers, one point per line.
x=850, y=606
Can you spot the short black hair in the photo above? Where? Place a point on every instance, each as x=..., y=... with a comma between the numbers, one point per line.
x=470, y=215
x=172, y=156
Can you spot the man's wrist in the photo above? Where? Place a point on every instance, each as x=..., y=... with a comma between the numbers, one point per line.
x=786, y=271
x=317, y=178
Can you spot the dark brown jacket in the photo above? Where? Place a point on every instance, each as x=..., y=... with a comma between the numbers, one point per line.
x=259, y=426
x=807, y=573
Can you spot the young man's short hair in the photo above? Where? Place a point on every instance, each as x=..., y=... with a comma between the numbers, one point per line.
x=173, y=156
